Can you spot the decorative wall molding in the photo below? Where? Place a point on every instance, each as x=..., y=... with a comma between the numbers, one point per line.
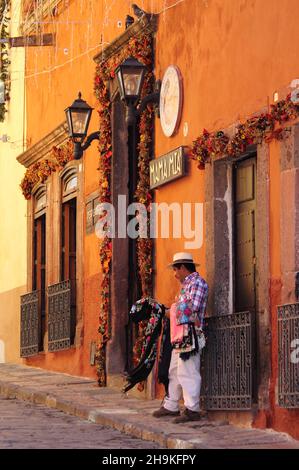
x=45, y=146
x=145, y=24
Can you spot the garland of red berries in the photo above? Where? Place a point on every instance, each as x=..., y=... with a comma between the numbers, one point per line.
x=40, y=171
x=263, y=127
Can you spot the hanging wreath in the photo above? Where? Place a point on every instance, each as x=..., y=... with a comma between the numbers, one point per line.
x=40, y=171
x=139, y=47
x=253, y=131
x=4, y=60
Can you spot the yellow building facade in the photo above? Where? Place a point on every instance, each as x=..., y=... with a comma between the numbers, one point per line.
x=13, y=245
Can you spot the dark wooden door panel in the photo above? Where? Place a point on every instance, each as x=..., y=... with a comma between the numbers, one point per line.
x=245, y=226
x=39, y=274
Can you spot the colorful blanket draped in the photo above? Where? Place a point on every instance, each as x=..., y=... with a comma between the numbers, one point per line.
x=183, y=332
x=152, y=312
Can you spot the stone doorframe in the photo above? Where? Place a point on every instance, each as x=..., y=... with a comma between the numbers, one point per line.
x=289, y=210
x=219, y=253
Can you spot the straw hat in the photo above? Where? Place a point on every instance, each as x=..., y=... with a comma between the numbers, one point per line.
x=182, y=258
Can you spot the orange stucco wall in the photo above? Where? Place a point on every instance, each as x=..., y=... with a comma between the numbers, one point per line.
x=232, y=59
x=233, y=56
x=49, y=91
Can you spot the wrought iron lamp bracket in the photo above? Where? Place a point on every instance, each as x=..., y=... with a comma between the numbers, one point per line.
x=152, y=98
x=134, y=113
x=79, y=148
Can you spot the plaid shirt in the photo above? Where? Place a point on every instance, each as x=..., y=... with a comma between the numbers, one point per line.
x=192, y=301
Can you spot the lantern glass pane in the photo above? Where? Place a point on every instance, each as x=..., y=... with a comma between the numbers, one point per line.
x=80, y=121
x=132, y=81
x=120, y=84
x=69, y=122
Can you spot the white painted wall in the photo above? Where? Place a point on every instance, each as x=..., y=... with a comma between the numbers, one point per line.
x=13, y=206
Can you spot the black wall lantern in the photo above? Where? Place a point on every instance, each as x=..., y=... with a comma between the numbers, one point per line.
x=78, y=117
x=130, y=77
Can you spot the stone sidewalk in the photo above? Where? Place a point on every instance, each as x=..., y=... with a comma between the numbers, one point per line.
x=83, y=398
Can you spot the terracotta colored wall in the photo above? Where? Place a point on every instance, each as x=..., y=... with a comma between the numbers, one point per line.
x=232, y=61
x=233, y=56
x=49, y=92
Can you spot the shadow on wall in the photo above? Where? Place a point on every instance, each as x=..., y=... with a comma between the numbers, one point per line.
x=2, y=352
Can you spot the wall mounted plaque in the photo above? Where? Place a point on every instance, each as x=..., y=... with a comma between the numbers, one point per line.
x=167, y=168
x=171, y=100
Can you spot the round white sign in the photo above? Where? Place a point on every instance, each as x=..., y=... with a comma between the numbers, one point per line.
x=171, y=100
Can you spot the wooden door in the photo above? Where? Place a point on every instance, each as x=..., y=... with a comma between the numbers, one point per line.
x=245, y=228
x=68, y=254
x=245, y=252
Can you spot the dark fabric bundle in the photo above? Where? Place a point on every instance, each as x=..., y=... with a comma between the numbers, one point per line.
x=185, y=355
x=150, y=310
x=140, y=311
x=165, y=355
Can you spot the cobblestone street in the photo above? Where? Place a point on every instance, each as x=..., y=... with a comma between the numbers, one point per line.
x=27, y=426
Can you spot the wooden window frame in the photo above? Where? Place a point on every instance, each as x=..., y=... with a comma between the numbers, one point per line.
x=40, y=191
x=38, y=264
x=67, y=196
x=72, y=193
x=72, y=168
x=53, y=188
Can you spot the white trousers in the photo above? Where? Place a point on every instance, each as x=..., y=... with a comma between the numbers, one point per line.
x=184, y=376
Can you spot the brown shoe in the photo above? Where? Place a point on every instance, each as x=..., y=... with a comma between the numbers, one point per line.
x=188, y=415
x=164, y=412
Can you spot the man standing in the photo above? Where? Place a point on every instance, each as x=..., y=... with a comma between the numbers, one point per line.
x=188, y=314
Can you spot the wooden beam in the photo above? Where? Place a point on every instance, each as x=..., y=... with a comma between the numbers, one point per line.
x=34, y=40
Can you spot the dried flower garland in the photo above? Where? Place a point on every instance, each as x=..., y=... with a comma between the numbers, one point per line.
x=139, y=47
x=4, y=60
x=40, y=171
x=253, y=131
